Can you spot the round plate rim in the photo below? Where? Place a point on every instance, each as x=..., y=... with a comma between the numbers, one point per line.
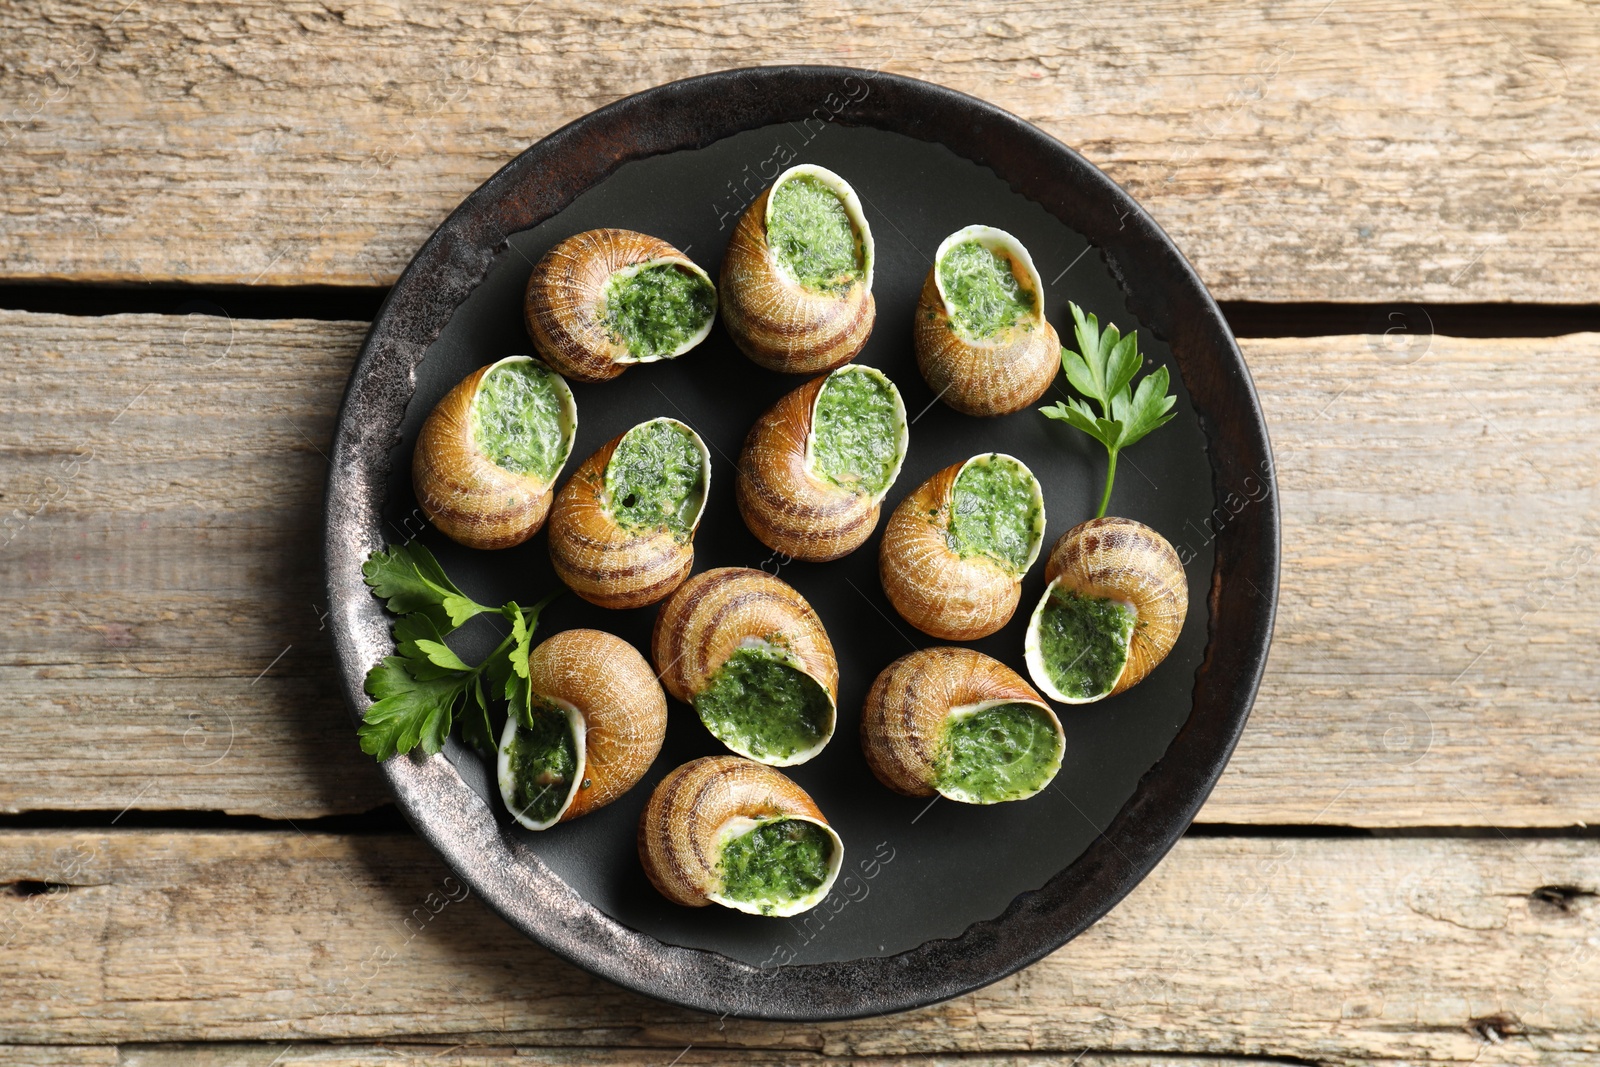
x=1165, y=296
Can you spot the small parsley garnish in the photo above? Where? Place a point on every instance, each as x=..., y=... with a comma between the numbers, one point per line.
x=1102, y=369
x=419, y=693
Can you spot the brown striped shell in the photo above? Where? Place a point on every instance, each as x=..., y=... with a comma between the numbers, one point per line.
x=719, y=611
x=773, y=319
x=463, y=493
x=789, y=508
x=931, y=585
x=988, y=376
x=701, y=805
x=1122, y=560
x=910, y=703
x=564, y=305
x=601, y=560
x=615, y=706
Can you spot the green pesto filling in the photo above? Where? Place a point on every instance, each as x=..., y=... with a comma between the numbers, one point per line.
x=857, y=432
x=656, y=478
x=810, y=233
x=777, y=862
x=543, y=758
x=760, y=705
x=994, y=510
x=516, y=419
x=656, y=309
x=1004, y=752
x=982, y=290
x=1084, y=642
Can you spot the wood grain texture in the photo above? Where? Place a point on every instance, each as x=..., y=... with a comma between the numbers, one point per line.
x=1359, y=150
x=1433, y=661
x=1334, y=951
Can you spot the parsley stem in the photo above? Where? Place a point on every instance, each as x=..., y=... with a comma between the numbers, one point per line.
x=1111, y=474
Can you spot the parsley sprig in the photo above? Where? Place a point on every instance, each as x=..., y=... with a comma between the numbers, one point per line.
x=1102, y=369
x=419, y=693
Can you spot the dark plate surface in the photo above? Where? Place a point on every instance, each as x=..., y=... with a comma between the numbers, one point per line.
x=934, y=899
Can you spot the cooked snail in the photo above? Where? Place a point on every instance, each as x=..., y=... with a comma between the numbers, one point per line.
x=728, y=831
x=490, y=451
x=955, y=722
x=955, y=550
x=815, y=467
x=603, y=300
x=1115, y=603
x=981, y=338
x=596, y=717
x=622, y=529
x=797, y=276
x=752, y=657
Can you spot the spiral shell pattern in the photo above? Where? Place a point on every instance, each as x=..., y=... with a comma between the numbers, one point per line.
x=623, y=714
x=718, y=611
x=931, y=585
x=693, y=810
x=463, y=493
x=775, y=321
x=565, y=298
x=788, y=508
x=904, y=717
x=602, y=561
x=1123, y=560
x=992, y=376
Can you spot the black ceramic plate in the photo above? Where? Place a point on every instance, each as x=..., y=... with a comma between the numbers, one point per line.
x=935, y=899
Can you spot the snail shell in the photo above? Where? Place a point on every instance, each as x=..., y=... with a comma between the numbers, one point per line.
x=607, y=561
x=913, y=702
x=615, y=709
x=699, y=807
x=565, y=304
x=464, y=493
x=937, y=588
x=993, y=375
x=785, y=503
x=1130, y=564
x=776, y=321
x=717, y=613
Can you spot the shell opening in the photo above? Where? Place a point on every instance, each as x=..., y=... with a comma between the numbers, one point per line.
x=659, y=477
x=523, y=418
x=541, y=769
x=859, y=433
x=988, y=284
x=1077, y=646
x=776, y=866
x=998, y=750
x=659, y=308
x=997, y=510
x=790, y=212
x=762, y=703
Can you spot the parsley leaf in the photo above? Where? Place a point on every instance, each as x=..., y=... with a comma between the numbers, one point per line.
x=1102, y=369
x=409, y=579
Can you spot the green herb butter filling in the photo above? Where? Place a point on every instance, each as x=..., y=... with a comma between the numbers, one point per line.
x=856, y=432
x=1083, y=642
x=763, y=707
x=776, y=863
x=1002, y=752
x=995, y=511
x=543, y=760
x=517, y=419
x=982, y=291
x=810, y=233
x=654, y=310
x=656, y=478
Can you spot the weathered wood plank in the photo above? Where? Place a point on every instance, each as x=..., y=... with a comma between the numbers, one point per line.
x=1361, y=150
x=1333, y=950
x=1433, y=663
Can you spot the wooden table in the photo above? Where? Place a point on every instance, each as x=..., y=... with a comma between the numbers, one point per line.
x=201, y=203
